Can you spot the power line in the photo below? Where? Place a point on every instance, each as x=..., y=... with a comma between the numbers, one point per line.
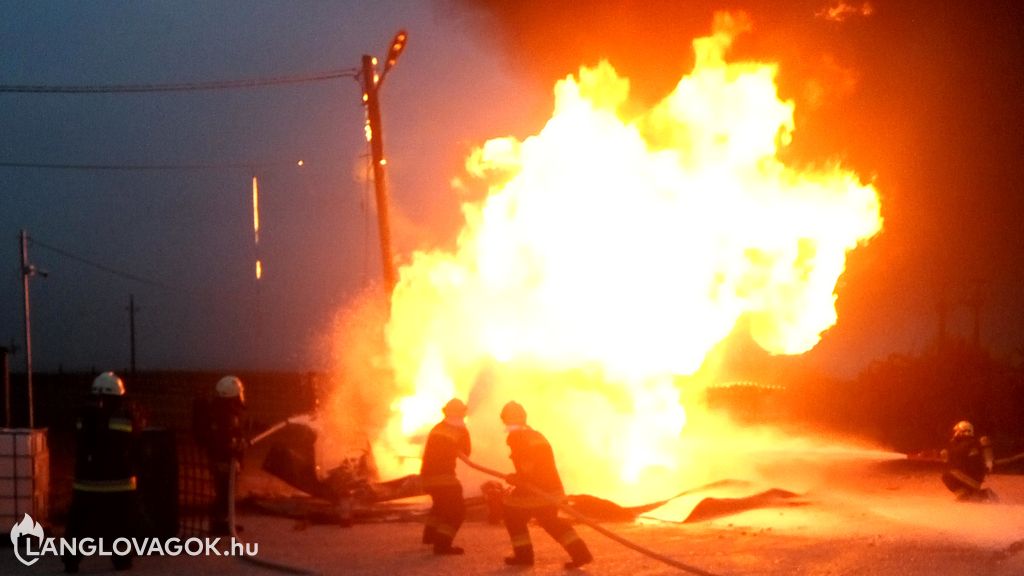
x=99, y=266
x=150, y=167
x=179, y=87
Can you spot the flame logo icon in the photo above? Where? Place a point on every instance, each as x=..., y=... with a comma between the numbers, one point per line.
x=27, y=527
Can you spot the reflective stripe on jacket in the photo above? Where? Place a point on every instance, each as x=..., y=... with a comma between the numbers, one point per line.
x=121, y=485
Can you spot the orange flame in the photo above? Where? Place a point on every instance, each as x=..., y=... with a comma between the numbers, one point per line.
x=611, y=254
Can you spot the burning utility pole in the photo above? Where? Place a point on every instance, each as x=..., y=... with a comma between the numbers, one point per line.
x=375, y=136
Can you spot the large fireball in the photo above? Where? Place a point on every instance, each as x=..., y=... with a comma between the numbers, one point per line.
x=613, y=250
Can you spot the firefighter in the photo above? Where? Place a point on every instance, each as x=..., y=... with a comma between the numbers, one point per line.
x=447, y=441
x=221, y=433
x=537, y=486
x=968, y=460
x=104, y=501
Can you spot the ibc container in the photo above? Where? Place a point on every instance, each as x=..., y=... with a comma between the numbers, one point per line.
x=24, y=476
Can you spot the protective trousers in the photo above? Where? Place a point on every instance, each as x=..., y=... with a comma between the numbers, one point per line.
x=220, y=474
x=108, y=515
x=516, y=520
x=963, y=485
x=446, y=516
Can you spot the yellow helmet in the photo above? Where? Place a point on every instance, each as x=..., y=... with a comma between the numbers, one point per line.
x=963, y=428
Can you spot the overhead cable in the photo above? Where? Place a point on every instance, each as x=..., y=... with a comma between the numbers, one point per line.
x=99, y=266
x=178, y=87
x=128, y=167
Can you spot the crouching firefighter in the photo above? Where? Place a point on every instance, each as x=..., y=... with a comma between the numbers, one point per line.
x=104, y=502
x=448, y=440
x=968, y=460
x=537, y=486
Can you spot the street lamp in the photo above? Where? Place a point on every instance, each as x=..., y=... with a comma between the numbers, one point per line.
x=375, y=136
x=397, y=46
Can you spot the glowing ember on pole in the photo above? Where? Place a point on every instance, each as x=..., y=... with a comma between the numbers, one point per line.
x=610, y=256
x=256, y=224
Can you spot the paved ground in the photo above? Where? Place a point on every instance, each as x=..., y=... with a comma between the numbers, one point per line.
x=869, y=521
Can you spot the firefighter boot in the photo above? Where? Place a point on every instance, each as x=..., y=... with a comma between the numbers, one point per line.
x=521, y=556
x=429, y=534
x=443, y=542
x=443, y=545
x=579, y=553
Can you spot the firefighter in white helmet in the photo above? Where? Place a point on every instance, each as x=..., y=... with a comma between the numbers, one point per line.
x=220, y=430
x=537, y=486
x=447, y=441
x=968, y=460
x=104, y=501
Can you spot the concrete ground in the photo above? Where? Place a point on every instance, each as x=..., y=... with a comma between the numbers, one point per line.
x=865, y=521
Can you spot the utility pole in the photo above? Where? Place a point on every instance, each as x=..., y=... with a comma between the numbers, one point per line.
x=27, y=271
x=131, y=330
x=375, y=136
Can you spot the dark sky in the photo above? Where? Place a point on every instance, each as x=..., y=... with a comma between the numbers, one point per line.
x=190, y=231
x=924, y=97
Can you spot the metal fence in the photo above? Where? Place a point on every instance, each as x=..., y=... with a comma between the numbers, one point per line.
x=175, y=484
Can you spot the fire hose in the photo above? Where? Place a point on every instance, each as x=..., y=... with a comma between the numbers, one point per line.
x=552, y=499
x=556, y=501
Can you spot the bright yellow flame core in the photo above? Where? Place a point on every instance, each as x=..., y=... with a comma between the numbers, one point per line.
x=256, y=210
x=611, y=254
x=256, y=223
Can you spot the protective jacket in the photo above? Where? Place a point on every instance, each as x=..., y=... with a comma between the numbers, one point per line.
x=106, y=446
x=535, y=467
x=444, y=444
x=224, y=433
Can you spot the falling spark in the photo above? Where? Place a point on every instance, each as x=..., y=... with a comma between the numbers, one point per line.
x=256, y=224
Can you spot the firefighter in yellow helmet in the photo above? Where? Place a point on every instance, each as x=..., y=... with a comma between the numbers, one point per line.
x=220, y=429
x=448, y=440
x=536, y=481
x=104, y=501
x=968, y=460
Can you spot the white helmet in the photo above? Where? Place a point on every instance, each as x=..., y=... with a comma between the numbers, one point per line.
x=963, y=428
x=108, y=384
x=231, y=387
